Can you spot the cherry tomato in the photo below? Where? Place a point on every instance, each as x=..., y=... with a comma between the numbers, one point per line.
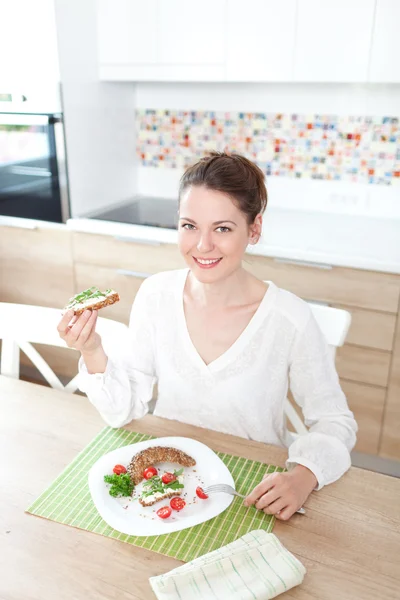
x=119, y=469
x=201, y=494
x=164, y=512
x=149, y=472
x=177, y=503
x=168, y=478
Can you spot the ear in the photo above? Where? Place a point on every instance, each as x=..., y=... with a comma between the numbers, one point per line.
x=255, y=230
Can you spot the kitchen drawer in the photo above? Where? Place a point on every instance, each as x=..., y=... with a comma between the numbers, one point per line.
x=126, y=283
x=36, y=266
x=333, y=285
x=364, y=365
x=367, y=403
x=113, y=252
x=370, y=328
x=390, y=442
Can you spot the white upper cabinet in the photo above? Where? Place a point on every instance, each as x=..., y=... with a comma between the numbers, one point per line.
x=260, y=40
x=339, y=41
x=161, y=40
x=385, y=51
x=191, y=33
x=126, y=32
x=333, y=40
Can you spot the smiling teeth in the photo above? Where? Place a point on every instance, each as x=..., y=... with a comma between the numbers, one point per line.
x=207, y=262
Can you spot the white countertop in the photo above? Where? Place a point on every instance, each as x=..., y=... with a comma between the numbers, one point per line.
x=322, y=238
x=370, y=243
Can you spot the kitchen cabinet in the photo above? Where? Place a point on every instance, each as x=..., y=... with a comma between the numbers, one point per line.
x=36, y=267
x=161, y=41
x=385, y=49
x=390, y=440
x=127, y=32
x=333, y=40
x=256, y=41
x=260, y=39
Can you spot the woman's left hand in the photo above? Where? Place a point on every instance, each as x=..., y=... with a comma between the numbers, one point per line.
x=281, y=494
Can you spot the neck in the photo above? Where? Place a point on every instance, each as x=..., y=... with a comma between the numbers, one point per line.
x=230, y=291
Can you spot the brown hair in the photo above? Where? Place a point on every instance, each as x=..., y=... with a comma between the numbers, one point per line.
x=233, y=175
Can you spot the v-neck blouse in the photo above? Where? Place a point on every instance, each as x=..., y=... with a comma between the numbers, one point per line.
x=243, y=391
x=237, y=346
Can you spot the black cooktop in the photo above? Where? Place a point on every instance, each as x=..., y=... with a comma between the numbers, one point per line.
x=144, y=210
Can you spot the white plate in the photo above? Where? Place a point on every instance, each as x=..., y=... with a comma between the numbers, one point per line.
x=132, y=518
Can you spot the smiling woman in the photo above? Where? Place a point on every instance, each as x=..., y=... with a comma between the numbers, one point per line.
x=224, y=346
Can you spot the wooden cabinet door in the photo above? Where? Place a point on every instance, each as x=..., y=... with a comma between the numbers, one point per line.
x=390, y=441
x=36, y=266
x=125, y=253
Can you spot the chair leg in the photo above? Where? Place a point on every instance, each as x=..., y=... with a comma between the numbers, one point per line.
x=9, y=365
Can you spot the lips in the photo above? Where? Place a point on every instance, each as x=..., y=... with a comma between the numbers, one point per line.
x=207, y=263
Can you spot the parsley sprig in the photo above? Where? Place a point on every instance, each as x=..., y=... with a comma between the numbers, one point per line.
x=121, y=485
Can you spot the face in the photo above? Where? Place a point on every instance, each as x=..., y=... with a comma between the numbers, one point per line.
x=213, y=233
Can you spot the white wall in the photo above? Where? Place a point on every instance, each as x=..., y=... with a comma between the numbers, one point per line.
x=304, y=194
x=99, y=117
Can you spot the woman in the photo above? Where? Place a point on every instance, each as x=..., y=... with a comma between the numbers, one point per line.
x=223, y=345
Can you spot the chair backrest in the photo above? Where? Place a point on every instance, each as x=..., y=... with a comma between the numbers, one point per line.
x=334, y=324
x=22, y=325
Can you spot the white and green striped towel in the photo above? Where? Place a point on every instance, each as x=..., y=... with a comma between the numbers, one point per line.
x=254, y=567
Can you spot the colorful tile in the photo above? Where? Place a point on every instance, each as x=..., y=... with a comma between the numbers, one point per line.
x=362, y=149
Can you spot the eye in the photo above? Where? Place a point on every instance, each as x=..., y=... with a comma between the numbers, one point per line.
x=188, y=226
x=223, y=229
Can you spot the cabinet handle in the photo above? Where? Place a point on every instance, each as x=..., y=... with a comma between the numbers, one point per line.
x=303, y=263
x=133, y=273
x=121, y=238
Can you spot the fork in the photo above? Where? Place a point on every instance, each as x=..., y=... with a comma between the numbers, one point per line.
x=228, y=489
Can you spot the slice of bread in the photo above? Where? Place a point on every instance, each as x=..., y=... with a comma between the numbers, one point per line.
x=91, y=299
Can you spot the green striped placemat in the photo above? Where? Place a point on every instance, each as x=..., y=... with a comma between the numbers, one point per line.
x=67, y=500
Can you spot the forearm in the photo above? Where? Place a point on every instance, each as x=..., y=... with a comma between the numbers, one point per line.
x=96, y=361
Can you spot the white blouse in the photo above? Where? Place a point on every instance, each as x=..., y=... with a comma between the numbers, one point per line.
x=243, y=391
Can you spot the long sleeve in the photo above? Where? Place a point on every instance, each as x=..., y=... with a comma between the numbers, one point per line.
x=123, y=391
x=314, y=382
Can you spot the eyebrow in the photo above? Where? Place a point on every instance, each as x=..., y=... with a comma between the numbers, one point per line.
x=215, y=222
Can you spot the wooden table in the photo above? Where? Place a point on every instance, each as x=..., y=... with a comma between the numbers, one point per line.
x=349, y=540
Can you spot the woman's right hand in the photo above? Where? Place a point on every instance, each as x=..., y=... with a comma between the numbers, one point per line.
x=79, y=332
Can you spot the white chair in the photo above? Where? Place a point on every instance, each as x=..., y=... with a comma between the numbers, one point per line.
x=22, y=325
x=334, y=324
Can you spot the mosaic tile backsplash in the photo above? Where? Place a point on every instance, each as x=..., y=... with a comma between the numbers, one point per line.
x=326, y=147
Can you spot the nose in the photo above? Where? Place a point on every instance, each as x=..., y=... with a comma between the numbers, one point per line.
x=205, y=243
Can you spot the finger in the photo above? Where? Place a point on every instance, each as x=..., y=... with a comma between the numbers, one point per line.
x=63, y=324
x=266, y=499
x=88, y=328
x=73, y=321
x=75, y=331
x=276, y=507
x=286, y=513
x=260, y=489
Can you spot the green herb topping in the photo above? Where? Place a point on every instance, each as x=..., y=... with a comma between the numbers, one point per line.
x=155, y=484
x=88, y=294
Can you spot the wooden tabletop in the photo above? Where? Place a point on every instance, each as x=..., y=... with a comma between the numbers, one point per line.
x=349, y=540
